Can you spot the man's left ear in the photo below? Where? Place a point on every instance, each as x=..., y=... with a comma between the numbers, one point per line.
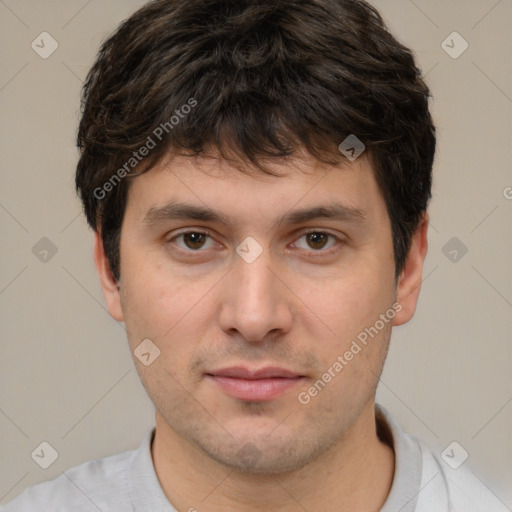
x=409, y=282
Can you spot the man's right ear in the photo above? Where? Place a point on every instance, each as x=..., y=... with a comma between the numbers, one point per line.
x=108, y=283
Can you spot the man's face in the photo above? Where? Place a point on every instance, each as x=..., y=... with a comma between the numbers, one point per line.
x=215, y=313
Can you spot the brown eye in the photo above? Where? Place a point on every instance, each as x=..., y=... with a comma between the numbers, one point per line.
x=192, y=241
x=317, y=240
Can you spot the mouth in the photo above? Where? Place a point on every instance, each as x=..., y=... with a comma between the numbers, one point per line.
x=258, y=385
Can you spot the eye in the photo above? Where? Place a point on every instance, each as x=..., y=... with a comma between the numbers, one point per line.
x=197, y=241
x=318, y=241
x=192, y=241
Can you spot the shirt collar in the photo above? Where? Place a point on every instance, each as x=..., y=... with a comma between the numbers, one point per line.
x=405, y=488
x=146, y=493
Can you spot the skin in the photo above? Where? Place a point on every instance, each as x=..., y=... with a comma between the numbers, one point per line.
x=299, y=305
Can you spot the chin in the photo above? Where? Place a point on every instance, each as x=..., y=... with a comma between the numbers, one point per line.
x=258, y=454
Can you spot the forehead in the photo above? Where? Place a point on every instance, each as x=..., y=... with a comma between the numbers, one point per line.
x=231, y=193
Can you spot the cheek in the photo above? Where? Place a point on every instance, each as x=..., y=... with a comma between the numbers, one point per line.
x=170, y=310
x=343, y=307
x=151, y=303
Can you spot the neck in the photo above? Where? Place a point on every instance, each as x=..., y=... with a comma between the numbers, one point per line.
x=356, y=473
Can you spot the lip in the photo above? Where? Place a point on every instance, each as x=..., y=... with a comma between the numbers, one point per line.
x=259, y=385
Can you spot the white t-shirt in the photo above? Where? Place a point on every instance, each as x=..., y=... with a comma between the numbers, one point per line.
x=423, y=482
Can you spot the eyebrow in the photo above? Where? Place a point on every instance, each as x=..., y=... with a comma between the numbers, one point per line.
x=176, y=210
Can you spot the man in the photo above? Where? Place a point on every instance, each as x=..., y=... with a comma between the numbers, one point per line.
x=257, y=175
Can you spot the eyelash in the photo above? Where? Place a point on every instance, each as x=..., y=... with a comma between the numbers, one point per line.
x=313, y=252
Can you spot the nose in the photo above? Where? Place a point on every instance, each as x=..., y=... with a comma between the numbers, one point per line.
x=255, y=302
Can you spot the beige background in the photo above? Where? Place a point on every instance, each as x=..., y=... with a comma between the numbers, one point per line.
x=67, y=376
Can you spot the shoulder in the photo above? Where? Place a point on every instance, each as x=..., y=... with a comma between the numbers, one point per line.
x=93, y=485
x=464, y=491
x=424, y=481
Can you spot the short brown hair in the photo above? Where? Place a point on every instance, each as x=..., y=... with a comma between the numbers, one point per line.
x=267, y=77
